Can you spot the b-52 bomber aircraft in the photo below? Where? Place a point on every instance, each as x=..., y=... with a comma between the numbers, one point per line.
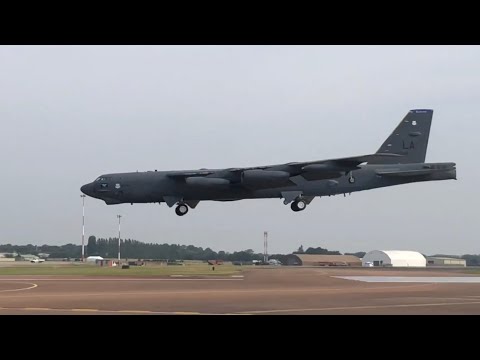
x=400, y=160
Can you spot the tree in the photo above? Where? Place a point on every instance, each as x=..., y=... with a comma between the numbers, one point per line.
x=321, y=251
x=300, y=250
x=92, y=246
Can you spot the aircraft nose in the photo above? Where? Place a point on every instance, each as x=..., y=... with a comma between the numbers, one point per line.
x=87, y=189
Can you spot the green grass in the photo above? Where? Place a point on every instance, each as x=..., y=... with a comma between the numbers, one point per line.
x=471, y=271
x=92, y=270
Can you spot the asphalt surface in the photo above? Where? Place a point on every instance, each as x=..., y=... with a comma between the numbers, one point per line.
x=281, y=290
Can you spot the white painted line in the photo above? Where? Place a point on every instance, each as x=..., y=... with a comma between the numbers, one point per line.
x=21, y=289
x=99, y=311
x=237, y=276
x=230, y=292
x=414, y=279
x=118, y=279
x=366, y=307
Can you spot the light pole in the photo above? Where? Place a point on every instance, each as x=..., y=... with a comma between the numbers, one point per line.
x=119, y=217
x=83, y=226
x=265, y=246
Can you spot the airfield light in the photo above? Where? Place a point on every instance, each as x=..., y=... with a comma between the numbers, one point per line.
x=83, y=226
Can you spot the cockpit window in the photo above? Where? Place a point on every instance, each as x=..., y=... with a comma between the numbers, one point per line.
x=102, y=179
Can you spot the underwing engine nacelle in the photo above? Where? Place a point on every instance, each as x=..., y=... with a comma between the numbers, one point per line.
x=264, y=178
x=206, y=182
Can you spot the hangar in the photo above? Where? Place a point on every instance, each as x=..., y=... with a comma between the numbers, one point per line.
x=394, y=258
x=445, y=261
x=323, y=260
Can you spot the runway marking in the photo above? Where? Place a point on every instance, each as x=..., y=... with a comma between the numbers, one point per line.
x=359, y=307
x=414, y=279
x=237, y=276
x=251, y=312
x=187, y=313
x=21, y=289
x=463, y=298
x=121, y=279
x=115, y=311
x=227, y=291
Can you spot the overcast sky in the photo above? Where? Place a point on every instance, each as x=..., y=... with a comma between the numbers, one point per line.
x=71, y=113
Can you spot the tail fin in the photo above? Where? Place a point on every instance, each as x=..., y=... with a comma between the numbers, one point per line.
x=409, y=139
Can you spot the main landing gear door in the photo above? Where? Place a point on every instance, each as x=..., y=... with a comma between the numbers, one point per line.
x=289, y=196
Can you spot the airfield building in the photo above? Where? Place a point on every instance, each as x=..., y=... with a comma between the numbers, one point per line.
x=7, y=257
x=394, y=258
x=323, y=260
x=445, y=261
x=94, y=258
x=26, y=257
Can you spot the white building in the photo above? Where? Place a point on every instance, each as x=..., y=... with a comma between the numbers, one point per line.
x=94, y=258
x=395, y=258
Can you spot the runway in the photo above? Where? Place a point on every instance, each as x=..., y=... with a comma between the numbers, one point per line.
x=281, y=290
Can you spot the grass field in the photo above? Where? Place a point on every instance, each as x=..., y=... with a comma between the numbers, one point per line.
x=472, y=270
x=92, y=270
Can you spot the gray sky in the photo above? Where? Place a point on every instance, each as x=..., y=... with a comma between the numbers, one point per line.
x=71, y=113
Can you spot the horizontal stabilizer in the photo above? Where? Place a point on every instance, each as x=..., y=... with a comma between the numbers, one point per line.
x=342, y=163
x=407, y=173
x=365, y=158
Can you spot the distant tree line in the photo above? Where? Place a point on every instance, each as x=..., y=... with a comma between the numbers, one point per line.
x=316, y=251
x=134, y=249
x=63, y=251
x=131, y=249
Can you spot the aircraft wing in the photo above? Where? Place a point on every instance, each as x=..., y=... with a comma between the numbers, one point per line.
x=318, y=167
x=184, y=174
x=341, y=163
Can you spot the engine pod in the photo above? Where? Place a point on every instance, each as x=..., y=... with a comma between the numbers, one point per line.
x=205, y=181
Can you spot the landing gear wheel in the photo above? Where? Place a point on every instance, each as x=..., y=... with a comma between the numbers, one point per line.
x=181, y=209
x=351, y=179
x=298, y=205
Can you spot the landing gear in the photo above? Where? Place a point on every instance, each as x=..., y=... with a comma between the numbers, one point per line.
x=181, y=209
x=351, y=179
x=298, y=205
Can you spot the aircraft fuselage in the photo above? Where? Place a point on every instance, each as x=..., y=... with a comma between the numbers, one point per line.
x=154, y=186
x=399, y=160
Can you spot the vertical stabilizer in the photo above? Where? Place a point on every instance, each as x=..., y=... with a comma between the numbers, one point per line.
x=409, y=139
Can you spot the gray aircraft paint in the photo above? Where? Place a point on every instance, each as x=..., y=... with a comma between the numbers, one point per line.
x=399, y=160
